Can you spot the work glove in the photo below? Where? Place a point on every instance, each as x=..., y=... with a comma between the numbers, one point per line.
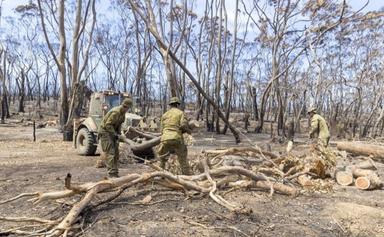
x=188, y=139
x=122, y=138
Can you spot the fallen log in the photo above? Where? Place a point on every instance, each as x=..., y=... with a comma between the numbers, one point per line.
x=144, y=145
x=144, y=150
x=152, y=139
x=360, y=172
x=369, y=182
x=367, y=164
x=357, y=148
x=344, y=178
x=134, y=132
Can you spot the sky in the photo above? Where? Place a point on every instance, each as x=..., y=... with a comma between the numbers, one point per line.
x=8, y=6
x=8, y=9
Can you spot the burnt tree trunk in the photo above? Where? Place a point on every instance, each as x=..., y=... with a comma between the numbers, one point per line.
x=254, y=103
x=21, y=85
x=3, y=92
x=259, y=127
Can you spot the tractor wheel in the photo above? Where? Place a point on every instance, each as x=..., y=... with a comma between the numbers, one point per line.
x=85, y=142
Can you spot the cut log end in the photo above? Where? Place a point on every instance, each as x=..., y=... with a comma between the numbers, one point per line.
x=368, y=182
x=362, y=183
x=344, y=178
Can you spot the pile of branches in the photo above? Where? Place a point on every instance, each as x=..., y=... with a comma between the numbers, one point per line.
x=298, y=172
x=216, y=171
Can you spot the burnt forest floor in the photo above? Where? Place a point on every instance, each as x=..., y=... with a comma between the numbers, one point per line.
x=27, y=166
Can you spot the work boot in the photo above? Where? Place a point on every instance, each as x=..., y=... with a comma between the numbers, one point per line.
x=113, y=176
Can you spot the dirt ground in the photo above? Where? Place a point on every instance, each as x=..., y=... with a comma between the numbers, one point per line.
x=27, y=166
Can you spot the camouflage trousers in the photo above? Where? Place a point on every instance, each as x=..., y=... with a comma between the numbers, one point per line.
x=324, y=141
x=180, y=149
x=110, y=146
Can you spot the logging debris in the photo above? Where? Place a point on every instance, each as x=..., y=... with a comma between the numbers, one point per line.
x=363, y=174
x=215, y=172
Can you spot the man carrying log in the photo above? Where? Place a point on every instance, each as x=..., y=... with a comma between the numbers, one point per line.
x=319, y=127
x=173, y=125
x=110, y=135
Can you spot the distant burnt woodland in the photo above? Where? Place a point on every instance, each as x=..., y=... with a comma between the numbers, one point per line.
x=268, y=59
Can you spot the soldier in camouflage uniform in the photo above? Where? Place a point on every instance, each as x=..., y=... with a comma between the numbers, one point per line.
x=110, y=135
x=319, y=127
x=173, y=125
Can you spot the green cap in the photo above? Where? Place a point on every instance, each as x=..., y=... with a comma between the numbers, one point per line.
x=127, y=103
x=312, y=110
x=174, y=100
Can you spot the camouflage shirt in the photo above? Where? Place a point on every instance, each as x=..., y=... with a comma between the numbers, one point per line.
x=319, y=127
x=173, y=125
x=112, y=121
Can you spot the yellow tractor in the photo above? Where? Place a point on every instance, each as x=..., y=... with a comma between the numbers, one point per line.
x=85, y=129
